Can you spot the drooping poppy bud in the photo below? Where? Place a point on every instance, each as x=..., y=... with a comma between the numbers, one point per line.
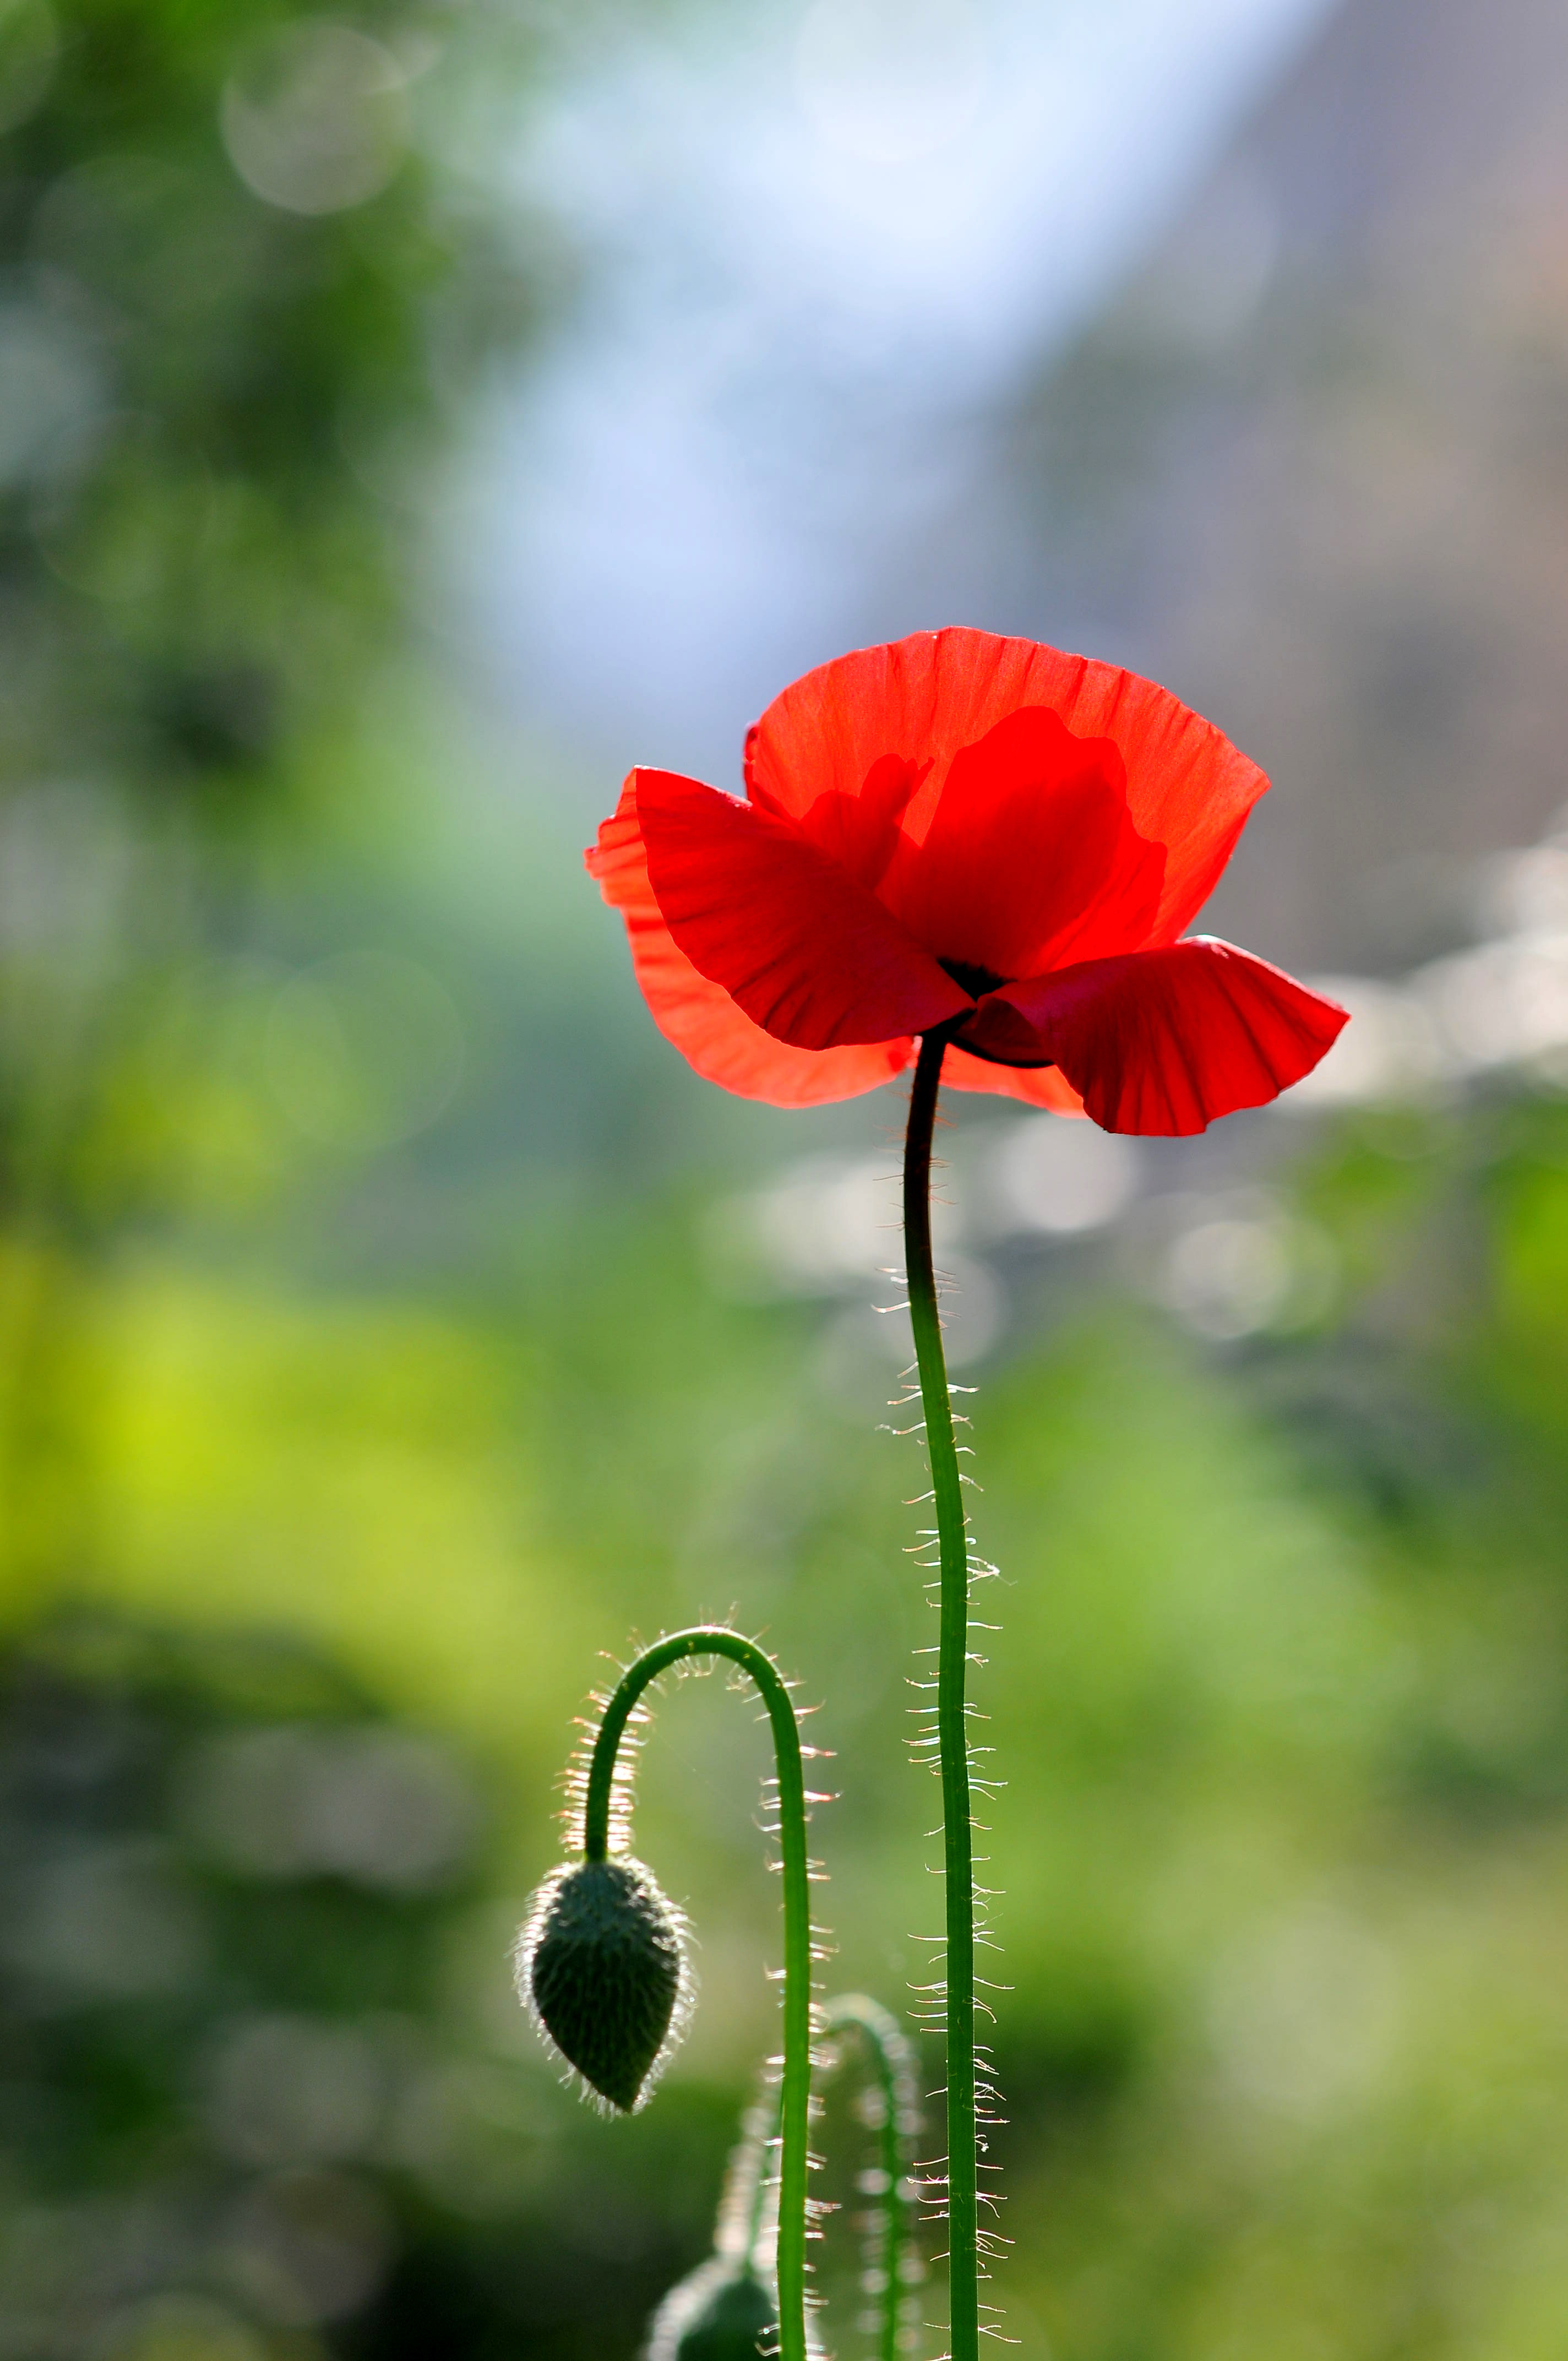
x=601, y=1964
x=722, y=2313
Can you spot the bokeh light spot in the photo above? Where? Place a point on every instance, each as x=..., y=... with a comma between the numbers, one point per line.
x=1242, y=1264
x=1054, y=1174
x=314, y=118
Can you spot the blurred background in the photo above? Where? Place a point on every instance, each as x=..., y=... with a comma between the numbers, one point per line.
x=407, y=420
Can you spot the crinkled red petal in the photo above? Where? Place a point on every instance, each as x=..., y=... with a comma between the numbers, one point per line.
x=864, y=747
x=699, y=1017
x=806, y=951
x=1162, y=1042
x=1030, y=859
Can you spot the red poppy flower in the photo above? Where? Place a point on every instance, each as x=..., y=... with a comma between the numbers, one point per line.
x=976, y=833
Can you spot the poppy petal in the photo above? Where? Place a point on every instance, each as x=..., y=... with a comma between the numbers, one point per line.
x=805, y=950
x=921, y=701
x=1031, y=860
x=703, y=1024
x=1162, y=1042
x=1041, y=1086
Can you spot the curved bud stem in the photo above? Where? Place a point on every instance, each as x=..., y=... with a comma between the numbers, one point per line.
x=892, y=2066
x=794, y=2094
x=952, y=1542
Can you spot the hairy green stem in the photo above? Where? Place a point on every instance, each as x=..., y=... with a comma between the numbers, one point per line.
x=889, y=2052
x=952, y=1546
x=794, y=2093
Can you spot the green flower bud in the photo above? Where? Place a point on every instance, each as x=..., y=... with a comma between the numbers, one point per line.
x=720, y=2314
x=602, y=1965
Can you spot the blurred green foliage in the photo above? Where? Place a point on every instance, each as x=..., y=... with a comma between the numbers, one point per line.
x=1277, y=1699
x=363, y=1378
x=217, y=400
x=242, y=2106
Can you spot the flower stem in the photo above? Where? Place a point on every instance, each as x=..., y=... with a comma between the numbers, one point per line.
x=891, y=2063
x=952, y=1540
x=794, y=2094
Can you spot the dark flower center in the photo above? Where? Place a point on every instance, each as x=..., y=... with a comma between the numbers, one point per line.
x=977, y=981
x=972, y=980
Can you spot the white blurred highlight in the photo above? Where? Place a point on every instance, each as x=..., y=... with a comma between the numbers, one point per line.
x=1500, y=1005
x=1239, y=1264
x=314, y=117
x=889, y=81
x=1057, y=1176
x=829, y=1223
x=825, y=1223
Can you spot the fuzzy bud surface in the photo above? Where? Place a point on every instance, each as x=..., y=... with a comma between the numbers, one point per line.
x=600, y=1964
